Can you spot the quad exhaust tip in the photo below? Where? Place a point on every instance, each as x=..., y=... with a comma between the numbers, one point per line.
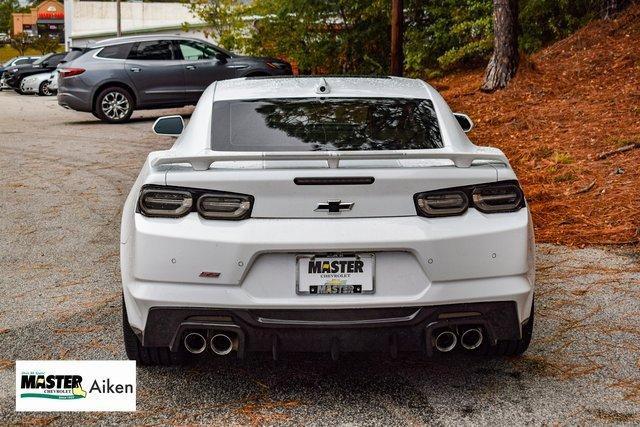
x=221, y=344
x=446, y=341
x=195, y=343
x=471, y=338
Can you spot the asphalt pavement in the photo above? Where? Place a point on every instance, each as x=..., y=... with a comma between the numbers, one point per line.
x=63, y=180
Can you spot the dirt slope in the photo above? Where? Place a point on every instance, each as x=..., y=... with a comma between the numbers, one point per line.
x=570, y=102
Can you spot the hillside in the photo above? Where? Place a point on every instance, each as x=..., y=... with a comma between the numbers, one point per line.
x=569, y=103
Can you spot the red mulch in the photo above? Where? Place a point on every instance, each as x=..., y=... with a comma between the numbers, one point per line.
x=568, y=103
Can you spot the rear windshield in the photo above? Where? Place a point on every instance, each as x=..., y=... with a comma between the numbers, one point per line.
x=325, y=124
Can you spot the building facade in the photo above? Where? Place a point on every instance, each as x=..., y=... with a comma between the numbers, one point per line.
x=91, y=21
x=46, y=19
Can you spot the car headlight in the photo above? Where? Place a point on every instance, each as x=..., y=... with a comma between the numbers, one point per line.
x=175, y=202
x=277, y=65
x=503, y=196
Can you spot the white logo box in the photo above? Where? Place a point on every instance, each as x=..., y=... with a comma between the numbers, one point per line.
x=75, y=385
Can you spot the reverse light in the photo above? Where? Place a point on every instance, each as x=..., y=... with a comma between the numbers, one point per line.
x=505, y=196
x=69, y=72
x=215, y=206
x=174, y=202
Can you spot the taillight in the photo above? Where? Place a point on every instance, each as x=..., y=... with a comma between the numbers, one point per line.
x=160, y=202
x=443, y=204
x=224, y=206
x=496, y=197
x=174, y=202
x=68, y=72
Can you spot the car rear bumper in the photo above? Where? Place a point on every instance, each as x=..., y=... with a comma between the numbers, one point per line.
x=391, y=330
x=418, y=262
x=77, y=100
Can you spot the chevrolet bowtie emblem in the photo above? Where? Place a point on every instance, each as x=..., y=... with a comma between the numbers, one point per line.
x=334, y=206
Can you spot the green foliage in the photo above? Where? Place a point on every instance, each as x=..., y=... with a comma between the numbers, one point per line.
x=445, y=34
x=21, y=43
x=353, y=37
x=545, y=21
x=45, y=44
x=332, y=37
x=7, y=7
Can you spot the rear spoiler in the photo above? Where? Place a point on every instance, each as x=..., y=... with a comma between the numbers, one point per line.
x=203, y=161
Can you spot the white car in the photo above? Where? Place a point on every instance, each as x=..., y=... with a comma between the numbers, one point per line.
x=38, y=83
x=53, y=81
x=325, y=215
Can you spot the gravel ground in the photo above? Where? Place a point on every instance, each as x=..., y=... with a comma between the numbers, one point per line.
x=64, y=178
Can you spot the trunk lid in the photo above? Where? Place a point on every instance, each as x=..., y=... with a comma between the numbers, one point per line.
x=385, y=190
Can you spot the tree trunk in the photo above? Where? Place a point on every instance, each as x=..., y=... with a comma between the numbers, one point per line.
x=504, y=61
x=397, y=20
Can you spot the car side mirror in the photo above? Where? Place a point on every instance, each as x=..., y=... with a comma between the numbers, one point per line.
x=45, y=64
x=464, y=121
x=169, y=125
x=221, y=57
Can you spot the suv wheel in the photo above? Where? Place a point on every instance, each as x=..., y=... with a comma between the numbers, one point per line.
x=148, y=356
x=44, y=89
x=114, y=105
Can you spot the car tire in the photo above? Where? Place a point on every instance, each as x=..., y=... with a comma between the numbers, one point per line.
x=114, y=105
x=44, y=90
x=17, y=87
x=146, y=356
x=512, y=347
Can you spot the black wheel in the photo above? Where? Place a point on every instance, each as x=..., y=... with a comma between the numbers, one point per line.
x=512, y=347
x=147, y=356
x=17, y=87
x=114, y=105
x=44, y=90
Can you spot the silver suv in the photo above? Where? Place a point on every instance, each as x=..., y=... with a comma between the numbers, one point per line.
x=114, y=77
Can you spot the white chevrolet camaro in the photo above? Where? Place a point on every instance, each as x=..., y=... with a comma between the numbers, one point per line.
x=325, y=214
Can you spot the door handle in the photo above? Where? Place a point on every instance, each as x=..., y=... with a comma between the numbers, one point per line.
x=191, y=67
x=135, y=69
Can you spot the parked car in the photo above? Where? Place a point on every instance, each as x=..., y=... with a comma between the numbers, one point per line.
x=14, y=75
x=115, y=77
x=14, y=62
x=38, y=83
x=53, y=83
x=325, y=214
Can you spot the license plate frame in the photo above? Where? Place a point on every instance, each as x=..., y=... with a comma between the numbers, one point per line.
x=337, y=257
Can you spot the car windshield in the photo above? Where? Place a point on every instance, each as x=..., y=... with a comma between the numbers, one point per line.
x=44, y=58
x=6, y=64
x=325, y=124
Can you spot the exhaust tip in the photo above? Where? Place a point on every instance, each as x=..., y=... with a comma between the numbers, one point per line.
x=195, y=343
x=446, y=341
x=471, y=338
x=221, y=344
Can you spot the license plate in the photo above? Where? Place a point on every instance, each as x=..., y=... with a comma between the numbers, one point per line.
x=335, y=275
